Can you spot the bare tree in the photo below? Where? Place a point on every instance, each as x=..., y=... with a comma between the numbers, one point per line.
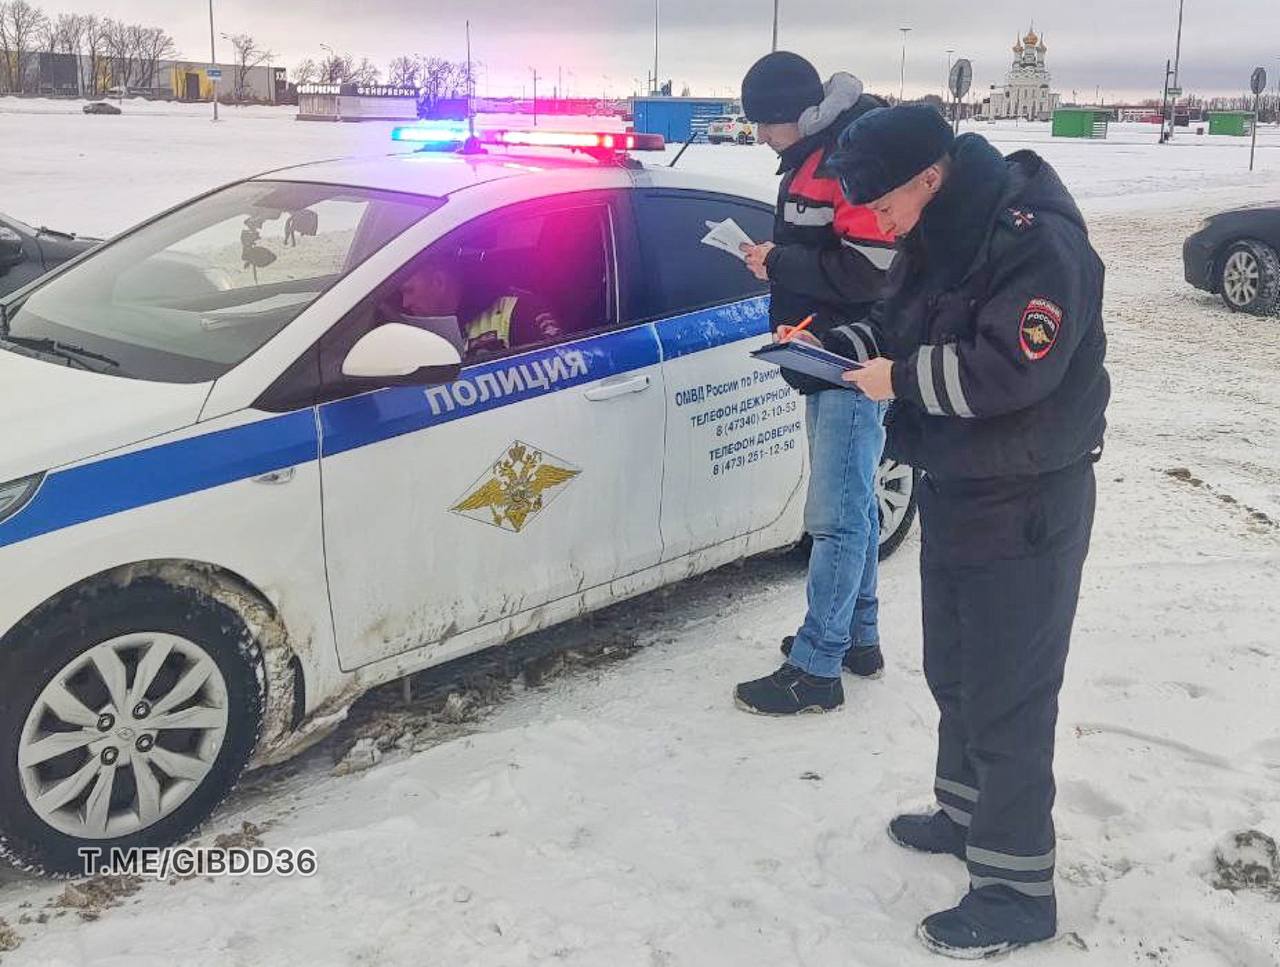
x=307, y=72
x=152, y=45
x=117, y=44
x=404, y=72
x=93, y=48
x=21, y=29
x=335, y=69
x=364, y=73
x=248, y=56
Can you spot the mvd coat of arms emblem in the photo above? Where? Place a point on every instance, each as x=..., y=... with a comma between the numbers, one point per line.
x=519, y=486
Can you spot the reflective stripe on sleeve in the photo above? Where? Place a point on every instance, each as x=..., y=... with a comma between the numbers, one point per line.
x=924, y=377
x=881, y=258
x=873, y=346
x=861, y=352
x=951, y=379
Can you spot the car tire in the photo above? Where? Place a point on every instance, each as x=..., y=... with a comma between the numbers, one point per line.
x=168, y=654
x=898, y=480
x=896, y=491
x=1249, y=278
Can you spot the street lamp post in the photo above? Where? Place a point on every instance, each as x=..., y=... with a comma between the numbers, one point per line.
x=213, y=61
x=902, y=89
x=1177, y=63
x=946, y=83
x=775, y=25
x=657, y=4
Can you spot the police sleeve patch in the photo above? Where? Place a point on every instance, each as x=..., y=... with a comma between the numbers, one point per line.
x=1041, y=323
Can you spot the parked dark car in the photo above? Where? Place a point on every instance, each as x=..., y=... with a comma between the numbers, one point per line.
x=101, y=107
x=27, y=253
x=1234, y=255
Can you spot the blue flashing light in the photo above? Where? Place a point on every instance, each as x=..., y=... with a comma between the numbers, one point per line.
x=431, y=135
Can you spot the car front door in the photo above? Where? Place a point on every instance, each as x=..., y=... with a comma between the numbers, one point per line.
x=735, y=452
x=528, y=480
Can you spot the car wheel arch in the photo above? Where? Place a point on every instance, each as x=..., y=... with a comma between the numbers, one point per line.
x=279, y=661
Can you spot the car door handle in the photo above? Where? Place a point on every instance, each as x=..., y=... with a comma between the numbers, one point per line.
x=613, y=388
x=278, y=477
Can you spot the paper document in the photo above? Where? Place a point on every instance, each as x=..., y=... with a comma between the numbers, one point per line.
x=727, y=236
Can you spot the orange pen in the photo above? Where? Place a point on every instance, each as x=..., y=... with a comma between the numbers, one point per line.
x=786, y=332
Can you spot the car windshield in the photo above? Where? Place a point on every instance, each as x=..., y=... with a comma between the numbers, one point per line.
x=195, y=293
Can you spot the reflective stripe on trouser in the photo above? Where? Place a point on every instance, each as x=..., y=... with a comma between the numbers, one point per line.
x=956, y=799
x=1000, y=576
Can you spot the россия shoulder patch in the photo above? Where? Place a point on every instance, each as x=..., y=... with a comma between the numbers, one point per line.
x=1041, y=323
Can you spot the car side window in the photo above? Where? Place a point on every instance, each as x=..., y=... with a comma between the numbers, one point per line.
x=516, y=279
x=682, y=273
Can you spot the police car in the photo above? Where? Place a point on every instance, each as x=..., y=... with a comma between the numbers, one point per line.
x=247, y=474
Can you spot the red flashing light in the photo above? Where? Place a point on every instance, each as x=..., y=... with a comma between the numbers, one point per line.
x=583, y=140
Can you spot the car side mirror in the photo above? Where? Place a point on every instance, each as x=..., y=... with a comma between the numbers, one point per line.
x=396, y=354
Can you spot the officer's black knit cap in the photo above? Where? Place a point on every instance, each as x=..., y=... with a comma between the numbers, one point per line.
x=886, y=148
x=779, y=88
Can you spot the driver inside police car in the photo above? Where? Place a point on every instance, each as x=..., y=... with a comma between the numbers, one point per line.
x=433, y=297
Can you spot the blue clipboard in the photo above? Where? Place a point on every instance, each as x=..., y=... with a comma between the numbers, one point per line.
x=802, y=358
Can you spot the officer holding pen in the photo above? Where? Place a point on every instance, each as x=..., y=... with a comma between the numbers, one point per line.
x=993, y=334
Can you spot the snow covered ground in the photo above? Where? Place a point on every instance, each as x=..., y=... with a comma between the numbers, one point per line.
x=629, y=815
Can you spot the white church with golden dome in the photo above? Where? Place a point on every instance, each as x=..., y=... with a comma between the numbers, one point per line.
x=1027, y=92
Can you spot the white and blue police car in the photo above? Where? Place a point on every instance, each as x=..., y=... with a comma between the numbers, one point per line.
x=246, y=476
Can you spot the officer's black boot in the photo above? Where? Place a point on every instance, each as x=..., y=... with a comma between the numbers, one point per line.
x=789, y=691
x=990, y=921
x=863, y=662
x=929, y=833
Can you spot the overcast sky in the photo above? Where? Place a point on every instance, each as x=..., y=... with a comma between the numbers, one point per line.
x=1119, y=46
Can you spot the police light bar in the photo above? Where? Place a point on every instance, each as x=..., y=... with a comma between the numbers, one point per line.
x=586, y=140
x=445, y=136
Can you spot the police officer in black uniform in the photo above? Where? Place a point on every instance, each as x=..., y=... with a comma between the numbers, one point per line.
x=993, y=329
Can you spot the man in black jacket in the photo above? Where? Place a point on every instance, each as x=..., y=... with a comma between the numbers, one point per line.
x=827, y=259
x=993, y=323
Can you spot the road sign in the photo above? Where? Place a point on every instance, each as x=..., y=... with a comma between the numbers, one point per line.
x=214, y=73
x=1258, y=83
x=1175, y=92
x=961, y=78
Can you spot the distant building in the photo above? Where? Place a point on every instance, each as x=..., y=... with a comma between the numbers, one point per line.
x=1027, y=92
x=78, y=75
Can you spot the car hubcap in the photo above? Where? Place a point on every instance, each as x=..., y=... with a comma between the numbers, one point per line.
x=893, y=496
x=1240, y=278
x=123, y=735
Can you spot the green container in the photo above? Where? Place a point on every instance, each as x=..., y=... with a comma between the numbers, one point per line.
x=1080, y=122
x=1234, y=124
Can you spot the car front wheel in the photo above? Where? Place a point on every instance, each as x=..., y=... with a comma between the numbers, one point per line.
x=1249, y=278
x=125, y=719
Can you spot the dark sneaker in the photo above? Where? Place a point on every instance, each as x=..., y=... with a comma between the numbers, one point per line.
x=990, y=922
x=789, y=691
x=929, y=833
x=863, y=662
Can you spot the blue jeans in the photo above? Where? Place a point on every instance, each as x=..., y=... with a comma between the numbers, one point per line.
x=846, y=441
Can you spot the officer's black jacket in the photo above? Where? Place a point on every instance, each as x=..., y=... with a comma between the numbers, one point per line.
x=993, y=318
